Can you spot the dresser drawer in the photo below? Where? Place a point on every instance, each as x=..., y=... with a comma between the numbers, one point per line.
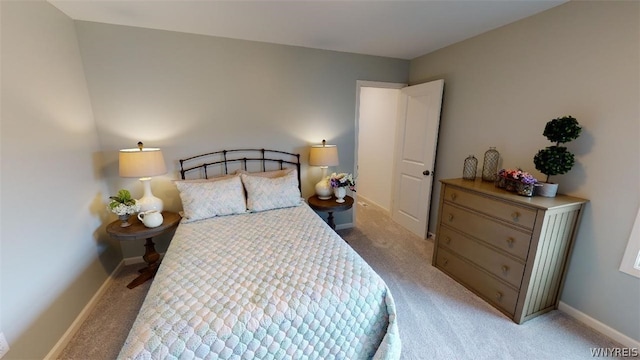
x=492, y=290
x=512, y=213
x=513, y=241
x=500, y=265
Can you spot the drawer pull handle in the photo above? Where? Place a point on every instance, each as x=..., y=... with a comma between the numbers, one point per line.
x=453, y=196
x=445, y=261
x=498, y=296
x=447, y=240
x=510, y=241
x=450, y=217
x=505, y=268
x=515, y=215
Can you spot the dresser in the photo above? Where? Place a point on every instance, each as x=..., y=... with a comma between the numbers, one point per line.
x=508, y=249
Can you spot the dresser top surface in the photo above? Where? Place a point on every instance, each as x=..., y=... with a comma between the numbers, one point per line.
x=490, y=189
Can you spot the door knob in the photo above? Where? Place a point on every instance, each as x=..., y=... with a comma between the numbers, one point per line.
x=426, y=173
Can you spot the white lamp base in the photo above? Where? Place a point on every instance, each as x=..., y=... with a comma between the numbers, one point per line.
x=323, y=188
x=148, y=201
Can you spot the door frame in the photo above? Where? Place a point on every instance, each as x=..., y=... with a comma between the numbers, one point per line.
x=374, y=84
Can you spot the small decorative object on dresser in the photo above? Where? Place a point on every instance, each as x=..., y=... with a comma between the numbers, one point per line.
x=470, y=168
x=556, y=159
x=339, y=183
x=490, y=165
x=516, y=180
x=123, y=206
x=509, y=250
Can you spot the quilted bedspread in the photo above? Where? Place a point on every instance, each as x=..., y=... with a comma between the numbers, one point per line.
x=278, y=284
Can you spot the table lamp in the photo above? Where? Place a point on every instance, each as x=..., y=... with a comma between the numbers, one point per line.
x=324, y=156
x=143, y=163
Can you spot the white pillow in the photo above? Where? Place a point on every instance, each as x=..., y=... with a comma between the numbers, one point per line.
x=271, y=193
x=269, y=174
x=203, y=200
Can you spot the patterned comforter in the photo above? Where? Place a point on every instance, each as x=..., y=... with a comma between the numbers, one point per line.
x=278, y=284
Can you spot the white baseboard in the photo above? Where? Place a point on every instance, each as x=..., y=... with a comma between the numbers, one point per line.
x=57, y=349
x=606, y=330
x=375, y=205
x=344, y=226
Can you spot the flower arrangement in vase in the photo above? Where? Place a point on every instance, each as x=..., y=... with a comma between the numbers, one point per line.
x=516, y=180
x=556, y=159
x=123, y=206
x=339, y=183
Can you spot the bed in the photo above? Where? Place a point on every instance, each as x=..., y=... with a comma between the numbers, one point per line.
x=264, y=277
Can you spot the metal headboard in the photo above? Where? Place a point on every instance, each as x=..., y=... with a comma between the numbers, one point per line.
x=242, y=158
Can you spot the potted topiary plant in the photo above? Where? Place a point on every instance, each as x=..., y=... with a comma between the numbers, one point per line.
x=556, y=159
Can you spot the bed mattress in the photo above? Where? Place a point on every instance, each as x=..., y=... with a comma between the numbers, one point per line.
x=278, y=284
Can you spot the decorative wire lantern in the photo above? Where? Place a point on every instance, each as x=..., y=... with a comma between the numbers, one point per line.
x=470, y=168
x=490, y=165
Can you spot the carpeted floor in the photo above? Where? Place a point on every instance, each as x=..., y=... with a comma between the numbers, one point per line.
x=102, y=334
x=438, y=318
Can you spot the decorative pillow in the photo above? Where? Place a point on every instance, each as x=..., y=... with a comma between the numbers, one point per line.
x=203, y=200
x=265, y=193
x=268, y=174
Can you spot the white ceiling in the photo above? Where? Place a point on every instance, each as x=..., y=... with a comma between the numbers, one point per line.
x=396, y=28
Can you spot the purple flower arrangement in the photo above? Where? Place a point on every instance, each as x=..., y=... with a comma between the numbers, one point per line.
x=516, y=180
x=342, y=180
x=518, y=175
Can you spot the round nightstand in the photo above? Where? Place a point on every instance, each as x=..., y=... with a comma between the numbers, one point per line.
x=330, y=206
x=137, y=231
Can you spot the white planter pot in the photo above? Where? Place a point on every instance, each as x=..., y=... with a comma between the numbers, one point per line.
x=546, y=189
x=340, y=193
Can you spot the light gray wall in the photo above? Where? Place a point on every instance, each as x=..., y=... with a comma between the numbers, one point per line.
x=53, y=255
x=190, y=94
x=578, y=59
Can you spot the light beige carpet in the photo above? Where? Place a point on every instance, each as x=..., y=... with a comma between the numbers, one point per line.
x=104, y=331
x=438, y=318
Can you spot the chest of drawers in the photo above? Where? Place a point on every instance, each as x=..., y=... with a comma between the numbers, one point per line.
x=508, y=249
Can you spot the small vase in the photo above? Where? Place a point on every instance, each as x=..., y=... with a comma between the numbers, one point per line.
x=340, y=193
x=125, y=220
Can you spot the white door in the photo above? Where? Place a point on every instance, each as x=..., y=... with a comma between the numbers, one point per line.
x=416, y=141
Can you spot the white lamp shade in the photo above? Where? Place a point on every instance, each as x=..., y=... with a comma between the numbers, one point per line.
x=323, y=155
x=141, y=163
